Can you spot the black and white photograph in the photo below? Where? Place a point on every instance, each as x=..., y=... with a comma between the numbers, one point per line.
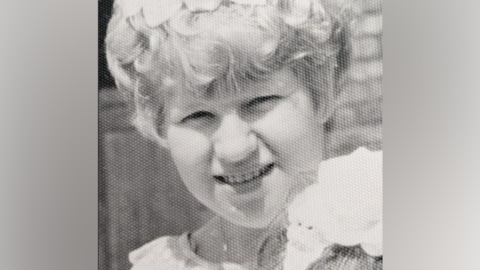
x=240, y=135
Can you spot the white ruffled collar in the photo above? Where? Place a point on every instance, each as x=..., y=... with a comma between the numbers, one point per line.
x=186, y=245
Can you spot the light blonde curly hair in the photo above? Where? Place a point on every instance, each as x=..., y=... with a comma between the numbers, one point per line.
x=192, y=50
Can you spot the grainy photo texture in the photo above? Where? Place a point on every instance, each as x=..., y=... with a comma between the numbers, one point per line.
x=240, y=134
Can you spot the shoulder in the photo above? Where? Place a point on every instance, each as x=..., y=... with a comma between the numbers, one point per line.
x=167, y=252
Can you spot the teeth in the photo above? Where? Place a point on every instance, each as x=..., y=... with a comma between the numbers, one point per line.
x=238, y=179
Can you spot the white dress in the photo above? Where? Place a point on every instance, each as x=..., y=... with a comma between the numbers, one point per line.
x=175, y=253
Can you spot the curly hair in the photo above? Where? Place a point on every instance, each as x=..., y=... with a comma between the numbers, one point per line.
x=192, y=50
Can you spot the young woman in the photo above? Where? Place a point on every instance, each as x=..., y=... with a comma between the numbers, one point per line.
x=239, y=92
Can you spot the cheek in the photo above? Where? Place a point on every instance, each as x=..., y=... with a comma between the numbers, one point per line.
x=190, y=151
x=291, y=131
x=188, y=145
x=287, y=121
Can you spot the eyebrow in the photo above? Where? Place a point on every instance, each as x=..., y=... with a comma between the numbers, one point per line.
x=212, y=91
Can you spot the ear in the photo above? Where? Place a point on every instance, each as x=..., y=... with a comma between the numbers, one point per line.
x=163, y=142
x=150, y=132
x=160, y=133
x=150, y=126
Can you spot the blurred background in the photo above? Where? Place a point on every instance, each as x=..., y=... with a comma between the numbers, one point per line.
x=140, y=194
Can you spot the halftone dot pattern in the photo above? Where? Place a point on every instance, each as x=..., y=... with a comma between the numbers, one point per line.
x=142, y=198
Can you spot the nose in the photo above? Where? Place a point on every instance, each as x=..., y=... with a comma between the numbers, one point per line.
x=234, y=140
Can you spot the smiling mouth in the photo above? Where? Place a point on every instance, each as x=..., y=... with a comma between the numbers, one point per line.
x=245, y=178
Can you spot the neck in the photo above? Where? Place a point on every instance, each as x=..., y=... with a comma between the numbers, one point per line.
x=222, y=241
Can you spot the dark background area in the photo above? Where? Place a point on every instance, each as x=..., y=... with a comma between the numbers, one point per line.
x=104, y=13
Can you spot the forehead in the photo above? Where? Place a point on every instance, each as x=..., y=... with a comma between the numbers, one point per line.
x=226, y=90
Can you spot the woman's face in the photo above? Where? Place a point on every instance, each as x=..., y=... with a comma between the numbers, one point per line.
x=239, y=153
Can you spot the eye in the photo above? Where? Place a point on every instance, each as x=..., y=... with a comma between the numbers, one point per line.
x=261, y=104
x=197, y=116
x=264, y=99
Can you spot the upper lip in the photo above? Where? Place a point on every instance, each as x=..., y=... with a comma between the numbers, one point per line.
x=243, y=176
